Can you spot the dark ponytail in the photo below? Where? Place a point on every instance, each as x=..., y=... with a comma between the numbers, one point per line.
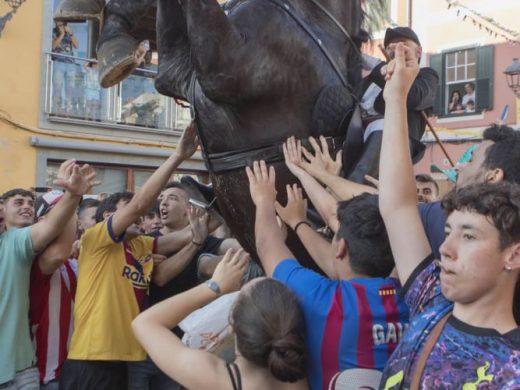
x=270, y=329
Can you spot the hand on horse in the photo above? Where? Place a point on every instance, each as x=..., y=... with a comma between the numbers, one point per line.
x=230, y=270
x=262, y=184
x=321, y=162
x=401, y=74
x=189, y=142
x=198, y=219
x=292, y=152
x=296, y=209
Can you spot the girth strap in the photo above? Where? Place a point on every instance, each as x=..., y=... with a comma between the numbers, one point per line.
x=227, y=161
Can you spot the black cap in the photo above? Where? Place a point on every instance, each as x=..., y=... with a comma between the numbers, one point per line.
x=400, y=32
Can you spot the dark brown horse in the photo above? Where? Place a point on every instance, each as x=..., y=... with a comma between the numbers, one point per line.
x=255, y=72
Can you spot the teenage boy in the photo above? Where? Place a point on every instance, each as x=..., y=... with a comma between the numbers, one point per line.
x=354, y=320
x=18, y=246
x=462, y=332
x=115, y=269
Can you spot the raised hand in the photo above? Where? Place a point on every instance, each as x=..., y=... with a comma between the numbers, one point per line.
x=189, y=142
x=321, y=162
x=296, y=209
x=230, y=270
x=292, y=152
x=401, y=73
x=198, y=219
x=262, y=183
x=75, y=179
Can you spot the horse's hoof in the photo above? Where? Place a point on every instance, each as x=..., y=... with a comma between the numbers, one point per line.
x=116, y=59
x=78, y=10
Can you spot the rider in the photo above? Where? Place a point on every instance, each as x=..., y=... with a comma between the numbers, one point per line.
x=421, y=97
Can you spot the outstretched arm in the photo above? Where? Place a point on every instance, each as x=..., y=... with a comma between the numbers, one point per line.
x=324, y=202
x=78, y=181
x=149, y=192
x=174, y=265
x=397, y=191
x=152, y=329
x=293, y=214
x=60, y=249
x=270, y=243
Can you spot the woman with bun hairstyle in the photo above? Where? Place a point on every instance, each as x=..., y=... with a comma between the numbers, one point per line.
x=267, y=323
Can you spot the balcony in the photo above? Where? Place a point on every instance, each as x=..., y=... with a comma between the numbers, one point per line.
x=73, y=95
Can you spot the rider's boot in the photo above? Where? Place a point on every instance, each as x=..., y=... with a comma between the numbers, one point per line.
x=78, y=10
x=116, y=50
x=368, y=163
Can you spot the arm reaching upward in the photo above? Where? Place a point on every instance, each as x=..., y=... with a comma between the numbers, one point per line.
x=270, y=244
x=397, y=191
x=149, y=192
x=78, y=182
x=293, y=214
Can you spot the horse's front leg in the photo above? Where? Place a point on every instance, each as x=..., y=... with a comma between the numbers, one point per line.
x=215, y=47
x=175, y=67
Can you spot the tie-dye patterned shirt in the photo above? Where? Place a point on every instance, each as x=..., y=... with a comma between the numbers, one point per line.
x=464, y=358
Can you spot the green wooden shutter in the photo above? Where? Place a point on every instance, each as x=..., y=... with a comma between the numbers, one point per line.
x=437, y=64
x=484, y=82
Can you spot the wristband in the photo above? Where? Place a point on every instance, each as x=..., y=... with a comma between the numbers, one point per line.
x=300, y=223
x=213, y=286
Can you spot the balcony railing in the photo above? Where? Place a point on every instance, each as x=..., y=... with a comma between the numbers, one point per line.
x=73, y=94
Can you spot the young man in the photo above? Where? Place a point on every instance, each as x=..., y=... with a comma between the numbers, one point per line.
x=355, y=320
x=2, y=216
x=462, y=332
x=427, y=188
x=51, y=294
x=496, y=159
x=115, y=269
x=18, y=246
x=87, y=214
x=152, y=219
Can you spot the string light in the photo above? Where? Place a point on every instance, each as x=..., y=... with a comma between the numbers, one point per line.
x=493, y=25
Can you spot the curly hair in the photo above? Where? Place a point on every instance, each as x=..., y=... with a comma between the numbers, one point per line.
x=499, y=202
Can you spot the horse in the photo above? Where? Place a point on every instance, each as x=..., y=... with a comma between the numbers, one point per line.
x=254, y=72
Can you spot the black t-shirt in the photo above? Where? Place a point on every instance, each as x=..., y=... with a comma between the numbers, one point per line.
x=188, y=278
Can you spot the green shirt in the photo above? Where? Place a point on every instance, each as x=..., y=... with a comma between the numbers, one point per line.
x=16, y=256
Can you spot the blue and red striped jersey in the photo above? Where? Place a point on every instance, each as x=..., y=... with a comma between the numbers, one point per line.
x=353, y=323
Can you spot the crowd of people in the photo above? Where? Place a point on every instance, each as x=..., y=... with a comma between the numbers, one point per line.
x=136, y=291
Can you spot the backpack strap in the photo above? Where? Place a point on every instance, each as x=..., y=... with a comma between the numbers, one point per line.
x=426, y=351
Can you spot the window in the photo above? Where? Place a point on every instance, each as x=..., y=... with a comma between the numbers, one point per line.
x=116, y=178
x=465, y=81
x=73, y=91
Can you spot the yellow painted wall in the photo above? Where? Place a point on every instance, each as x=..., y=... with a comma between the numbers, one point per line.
x=20, y=48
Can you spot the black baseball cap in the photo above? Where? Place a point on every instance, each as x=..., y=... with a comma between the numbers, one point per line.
x=400, y=32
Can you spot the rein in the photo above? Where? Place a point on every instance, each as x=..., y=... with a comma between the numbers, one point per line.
x=285, y=6
x=337, y=23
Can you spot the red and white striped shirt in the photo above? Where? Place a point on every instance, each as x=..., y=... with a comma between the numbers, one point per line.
x=51, y=316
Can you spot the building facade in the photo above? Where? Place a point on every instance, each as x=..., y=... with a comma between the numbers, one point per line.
x=469, y=44
x=52, y=108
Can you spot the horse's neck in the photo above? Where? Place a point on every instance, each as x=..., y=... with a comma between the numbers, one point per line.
x=340, y=10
